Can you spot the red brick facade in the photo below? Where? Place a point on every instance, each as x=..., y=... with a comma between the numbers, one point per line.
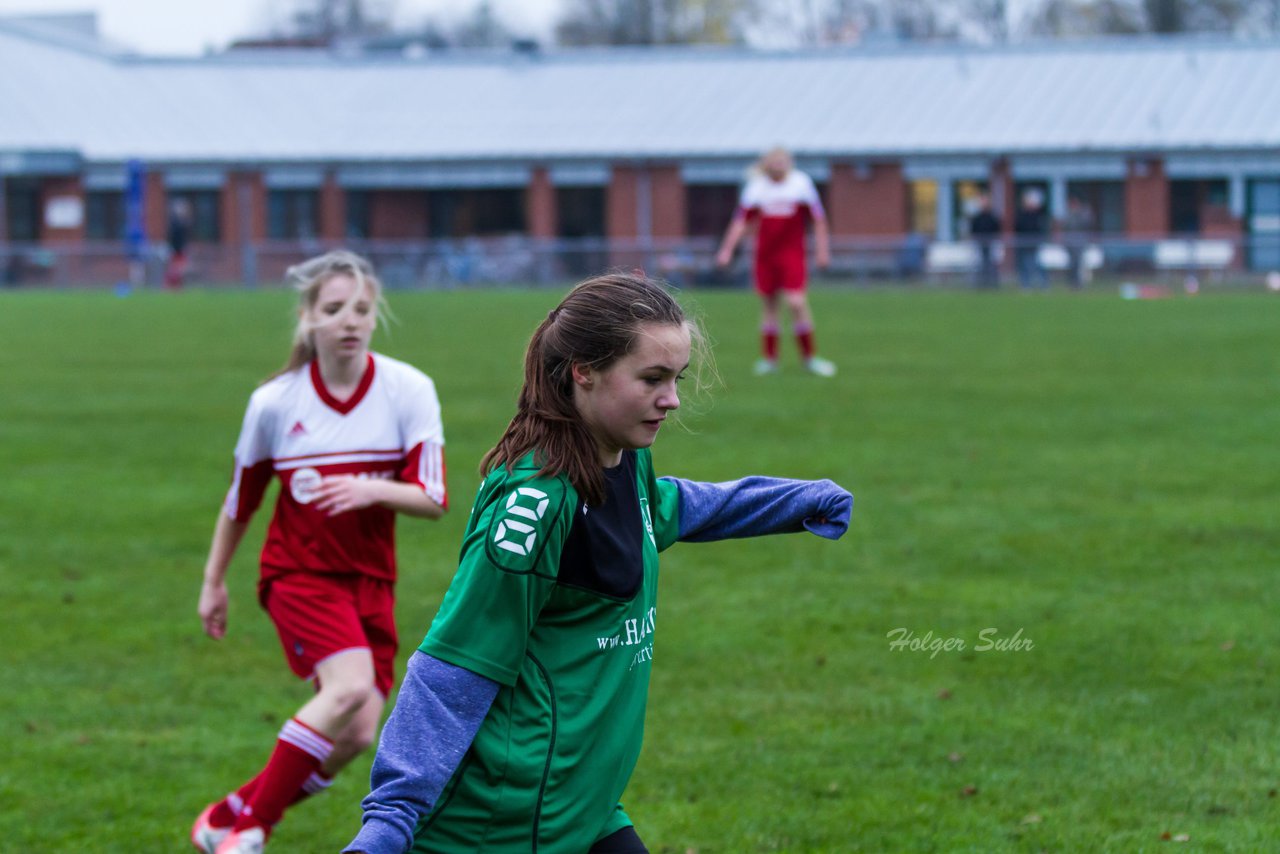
x=333, y=210
x=1146, y=199
x=668, y=203
x=864, y=201
x=398, y=215
x=867, y=200
x=540, y=204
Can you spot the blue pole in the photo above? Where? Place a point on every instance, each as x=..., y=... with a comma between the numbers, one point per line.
x=135, y=235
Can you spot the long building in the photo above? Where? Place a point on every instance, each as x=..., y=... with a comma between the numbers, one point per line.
x=631, y=147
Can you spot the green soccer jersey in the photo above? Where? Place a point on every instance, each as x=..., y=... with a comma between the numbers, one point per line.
x=557, y=602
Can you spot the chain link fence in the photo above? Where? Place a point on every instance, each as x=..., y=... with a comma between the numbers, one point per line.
x=521, y=261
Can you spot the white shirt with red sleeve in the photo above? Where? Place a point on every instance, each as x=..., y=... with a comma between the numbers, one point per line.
x=783, y=209
x=295, y=429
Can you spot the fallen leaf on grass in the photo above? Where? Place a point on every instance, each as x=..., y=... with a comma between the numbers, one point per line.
x=968, y=791
x=1032, y=818
x=955, y=757
x=1228, y=646
x=944, y=694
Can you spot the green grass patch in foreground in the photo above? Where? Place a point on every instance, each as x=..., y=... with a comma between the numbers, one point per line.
x=1098, y=475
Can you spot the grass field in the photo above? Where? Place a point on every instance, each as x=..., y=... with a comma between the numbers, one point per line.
x=1092, y=476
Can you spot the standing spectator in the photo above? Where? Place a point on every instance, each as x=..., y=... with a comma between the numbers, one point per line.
x=1029, y=229
x=781, y=200
x=178, y=236
x=522, y=713
x=1077, y=229
x=984, y=229
x=355, y=438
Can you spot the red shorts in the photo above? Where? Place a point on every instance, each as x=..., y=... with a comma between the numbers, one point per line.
x=319, y=615
x=781, y=272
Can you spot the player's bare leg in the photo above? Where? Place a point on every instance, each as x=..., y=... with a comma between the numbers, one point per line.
x=358, y=735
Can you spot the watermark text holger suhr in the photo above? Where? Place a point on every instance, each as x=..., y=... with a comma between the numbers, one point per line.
x=989, y=640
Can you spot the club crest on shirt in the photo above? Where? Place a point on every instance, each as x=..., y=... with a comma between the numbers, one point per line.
x=515, y=531
x=303, y=485
x=648, y=519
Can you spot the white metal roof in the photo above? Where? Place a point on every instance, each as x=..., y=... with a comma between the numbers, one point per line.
x=1114, y=96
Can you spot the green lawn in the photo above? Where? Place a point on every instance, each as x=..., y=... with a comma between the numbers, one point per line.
x=1097, y=475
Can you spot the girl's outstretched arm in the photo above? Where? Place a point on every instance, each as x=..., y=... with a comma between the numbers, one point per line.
x=754, y=506
x=437, y=714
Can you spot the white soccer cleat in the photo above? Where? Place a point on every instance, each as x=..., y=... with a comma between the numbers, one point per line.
x=249, y=841
x=205, y=836
x=820, y=367
x=766, y=366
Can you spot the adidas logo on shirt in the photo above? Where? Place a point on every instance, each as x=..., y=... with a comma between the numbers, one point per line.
x=297, y=429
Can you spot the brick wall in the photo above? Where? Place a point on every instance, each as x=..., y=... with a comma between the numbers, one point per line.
x=398, y=215
x=867, y=201
x=1146, y=202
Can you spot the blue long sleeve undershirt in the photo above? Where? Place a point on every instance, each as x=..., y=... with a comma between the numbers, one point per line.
x=756, y=506
x=438, y=711
x=440, y=706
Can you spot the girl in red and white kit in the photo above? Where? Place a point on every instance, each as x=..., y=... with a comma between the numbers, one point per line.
x=781, y=201
x=354, y=437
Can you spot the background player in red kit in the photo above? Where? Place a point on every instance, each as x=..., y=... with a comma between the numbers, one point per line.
x=781, y=200
x=355, y=437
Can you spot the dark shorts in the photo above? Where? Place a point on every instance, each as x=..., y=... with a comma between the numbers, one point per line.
x=318, y=616
x=625, y=841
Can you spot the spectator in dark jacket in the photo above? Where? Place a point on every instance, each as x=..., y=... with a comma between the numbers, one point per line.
x=1029, y=228
x=984, y=229
x=177, y=237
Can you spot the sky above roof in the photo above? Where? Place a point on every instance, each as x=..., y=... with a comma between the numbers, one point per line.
x=163, y=27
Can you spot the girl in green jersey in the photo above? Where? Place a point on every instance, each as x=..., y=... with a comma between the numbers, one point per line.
x=520, y=718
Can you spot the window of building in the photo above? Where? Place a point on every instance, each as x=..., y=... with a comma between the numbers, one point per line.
x=1194, y=204
x=580, y=212
x=922, y=207
x=709, y=207
x=105, y=215
x=358, y=216
x=1264, y=223
x=1105, y=199
x=476, y=213
x=22, y=209
x=206, y=213
x=293, y=214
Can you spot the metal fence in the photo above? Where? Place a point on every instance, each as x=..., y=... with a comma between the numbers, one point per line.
x=517, y=260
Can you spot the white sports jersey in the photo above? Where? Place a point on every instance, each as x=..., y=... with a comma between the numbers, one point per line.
x=783, y=198
x=294, y=428
x=783, y=208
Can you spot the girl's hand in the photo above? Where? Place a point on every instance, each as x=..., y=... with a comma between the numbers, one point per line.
x=213, y=609
x=342, y=492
